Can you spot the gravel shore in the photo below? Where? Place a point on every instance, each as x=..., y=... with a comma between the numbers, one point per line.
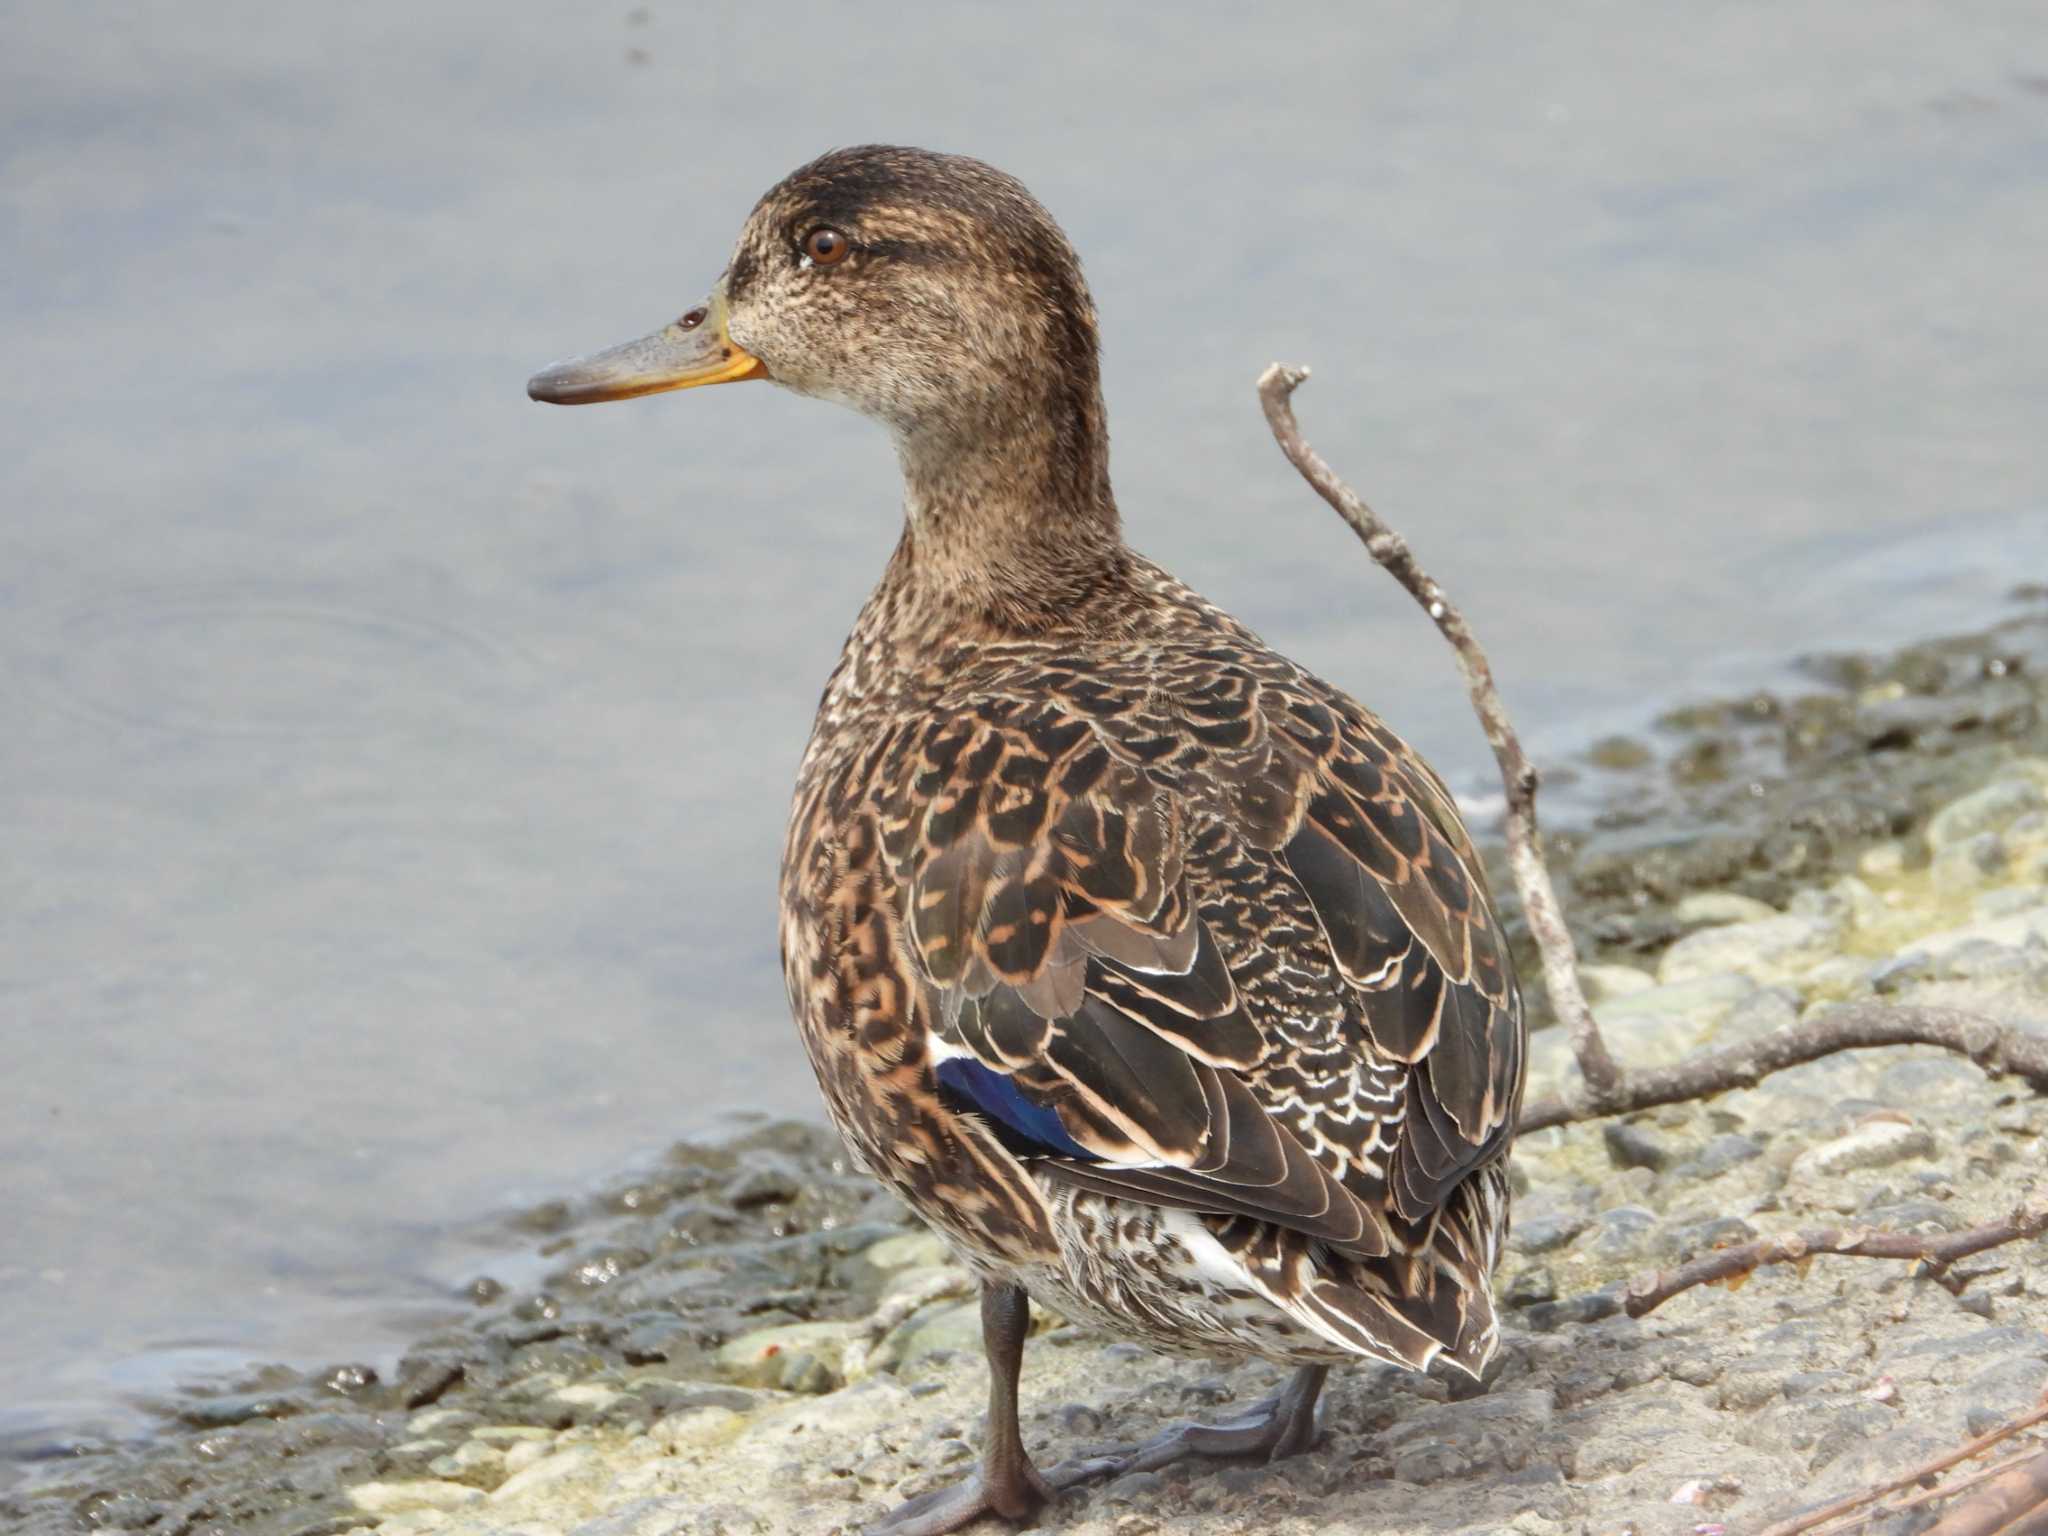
x=749, y=1338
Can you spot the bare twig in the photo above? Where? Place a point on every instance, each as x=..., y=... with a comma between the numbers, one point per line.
x=1949, y=1489
x=1518, y=777
x=1930, y=1468
x=1995, y=1047
x=2001, y=1504
x=1651, y=1291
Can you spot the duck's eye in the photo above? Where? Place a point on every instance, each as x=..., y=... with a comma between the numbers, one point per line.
x=692, y=318
x=826, y=247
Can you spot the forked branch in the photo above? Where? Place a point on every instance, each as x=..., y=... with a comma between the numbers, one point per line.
x=2013, y=1498
x=1735, y=1264
x=1997, y=1048
x=1606, y=1088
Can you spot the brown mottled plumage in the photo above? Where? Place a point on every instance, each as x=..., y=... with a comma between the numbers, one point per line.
x=1151, y=970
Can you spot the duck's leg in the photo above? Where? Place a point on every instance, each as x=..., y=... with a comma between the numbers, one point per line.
x=1281, y=1425
x=1007, y=1484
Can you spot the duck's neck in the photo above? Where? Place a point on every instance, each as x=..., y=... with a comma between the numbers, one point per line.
x=1009, y=527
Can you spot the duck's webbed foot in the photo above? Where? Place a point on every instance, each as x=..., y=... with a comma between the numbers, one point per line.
x=1017, y=1495
x=1282, y=1425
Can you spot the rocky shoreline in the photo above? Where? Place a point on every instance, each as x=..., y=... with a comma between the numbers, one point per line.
x=749, y=1338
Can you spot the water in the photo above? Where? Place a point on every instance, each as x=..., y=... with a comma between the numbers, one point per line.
x=394, y=771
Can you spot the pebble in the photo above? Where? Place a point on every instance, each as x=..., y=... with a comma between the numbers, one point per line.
x=1847, y=901
x=1761, y=1012
x=1134, y=1488
x=522, y=1454
x=1925, y=1080
x=1079, y=1419
x=427, y=1380
x=548, y=1471
x=1660, y=1025
x=1706, y=909
x=1983, y=961
x=1529, y=1286
x=1989, y=809
x=930, y=1335
x=1634, y=1146
x=2010, y=899
x=762, y=1186
x=1685, y=1240
x=1586, y=1307
x=586, y=1394
x=1965, y=866
x=654, y=1338
x=697, y=1426
x=2013, y=931
x=1749, y=1384
x=417, y=1493
x=1726, y=1151
x=476, y=1462
x=1542, y=1232
x=1621, y=1230
x=119, y=1511
x=428, y=1420
x=1879, y=1144
x=1901, y=970
x=1603, y=983
x=2003, y=1391
x=908, y=1250
x=240, y=1408
x=513, y=1432
x=758, y=1359
x=1770, y=949
x=1838, y=980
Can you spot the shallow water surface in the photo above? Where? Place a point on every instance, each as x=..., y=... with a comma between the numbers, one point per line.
x=394, y=770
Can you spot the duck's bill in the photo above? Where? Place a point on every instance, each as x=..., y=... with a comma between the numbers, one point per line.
x=694, y=350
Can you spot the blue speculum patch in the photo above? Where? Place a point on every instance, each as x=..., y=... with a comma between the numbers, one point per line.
x=999, y=1097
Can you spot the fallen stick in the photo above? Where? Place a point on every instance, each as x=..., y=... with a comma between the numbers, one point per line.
x=1995, y=1047
x=1648, y=1292
x=2000, y=1504
x=1606, y=1088
x=1948, y=1490
x=1933, y=1467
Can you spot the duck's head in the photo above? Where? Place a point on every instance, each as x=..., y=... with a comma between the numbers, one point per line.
x=933, y=293
x=929, y=291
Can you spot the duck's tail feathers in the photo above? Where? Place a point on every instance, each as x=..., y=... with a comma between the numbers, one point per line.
x=1408, y=1308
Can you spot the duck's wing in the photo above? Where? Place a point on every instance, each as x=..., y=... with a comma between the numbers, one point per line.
x=1397, y=888
x=1113, y=894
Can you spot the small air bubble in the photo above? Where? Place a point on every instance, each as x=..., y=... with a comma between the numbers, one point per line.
x=1436, y=609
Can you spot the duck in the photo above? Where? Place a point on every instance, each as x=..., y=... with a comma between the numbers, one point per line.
x=1154, y=973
